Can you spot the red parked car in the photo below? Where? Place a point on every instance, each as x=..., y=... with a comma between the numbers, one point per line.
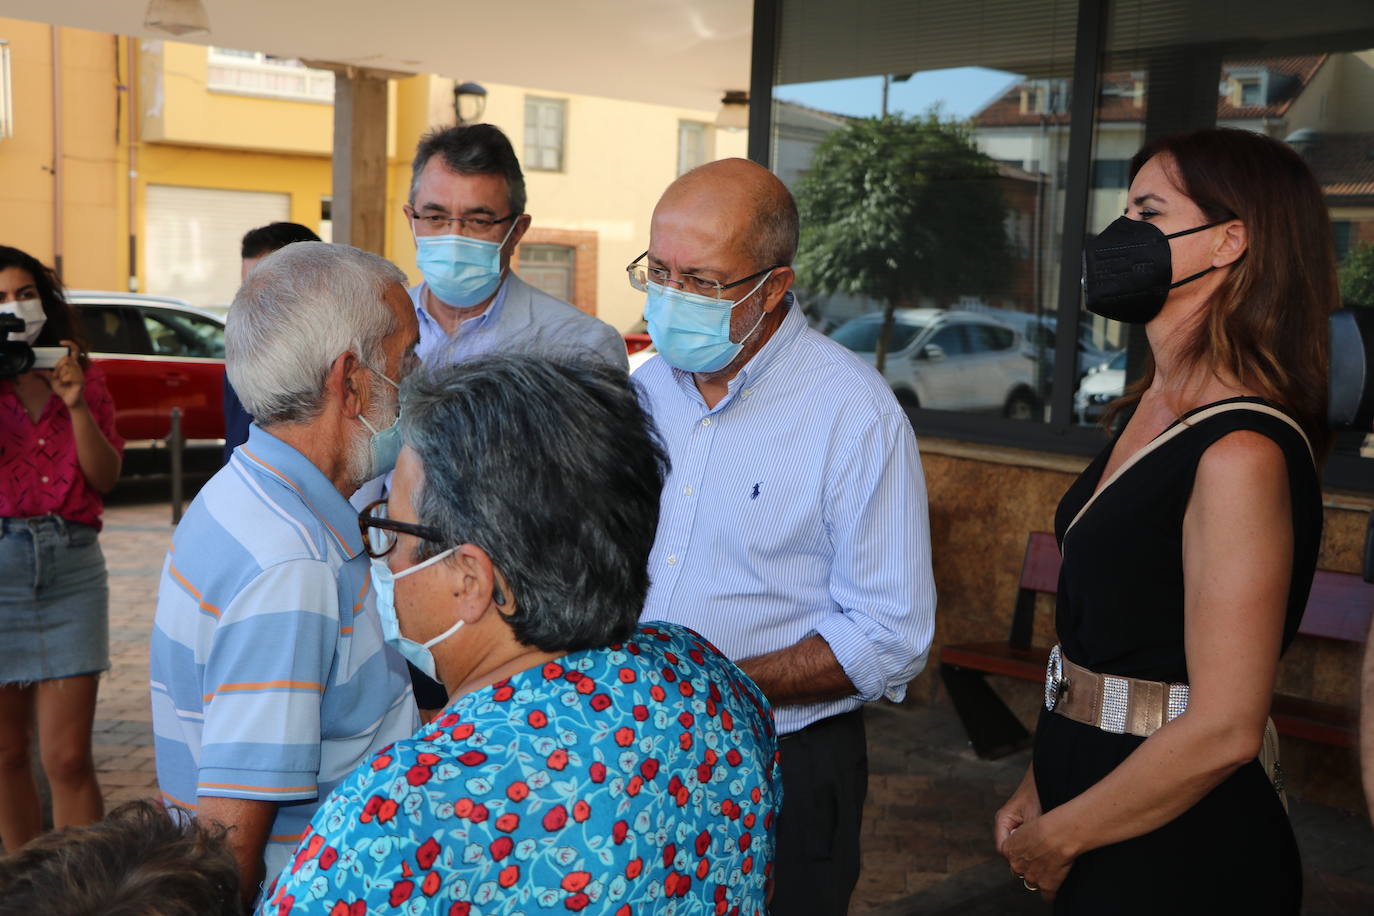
x=157, y=353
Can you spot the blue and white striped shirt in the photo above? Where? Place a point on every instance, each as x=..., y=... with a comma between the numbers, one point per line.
x=269, y=676
x=796, y=506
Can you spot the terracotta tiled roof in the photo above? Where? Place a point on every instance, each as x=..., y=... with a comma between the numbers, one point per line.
x=1343, y=163
x=1123, y=95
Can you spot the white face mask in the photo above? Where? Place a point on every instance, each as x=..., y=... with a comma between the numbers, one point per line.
x=31, y=311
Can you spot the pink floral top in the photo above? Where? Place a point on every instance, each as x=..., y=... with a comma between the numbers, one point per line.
x=39, y=471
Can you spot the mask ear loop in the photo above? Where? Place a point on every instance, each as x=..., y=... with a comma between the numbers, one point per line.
x=1200, y=273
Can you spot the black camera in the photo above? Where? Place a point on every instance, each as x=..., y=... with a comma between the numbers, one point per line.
x=16, y=356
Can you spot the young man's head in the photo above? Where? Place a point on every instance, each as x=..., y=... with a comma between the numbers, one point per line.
x=260, y=242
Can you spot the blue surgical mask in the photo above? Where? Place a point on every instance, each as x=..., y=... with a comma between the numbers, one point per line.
x=692, y=331
x=461, y=271
x=385, y=446
x=384, y=583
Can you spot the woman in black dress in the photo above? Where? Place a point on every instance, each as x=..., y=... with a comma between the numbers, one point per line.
x=1188, y=546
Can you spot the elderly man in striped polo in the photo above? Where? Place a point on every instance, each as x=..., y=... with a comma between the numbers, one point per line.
x=792, y=530
x=270, y=677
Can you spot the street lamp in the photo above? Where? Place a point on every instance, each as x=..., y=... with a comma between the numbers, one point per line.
x=469, y=101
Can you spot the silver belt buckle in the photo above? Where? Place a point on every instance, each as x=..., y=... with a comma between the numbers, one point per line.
x=1055, y=682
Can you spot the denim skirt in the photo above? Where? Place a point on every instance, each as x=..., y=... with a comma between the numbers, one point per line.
x=54, y=600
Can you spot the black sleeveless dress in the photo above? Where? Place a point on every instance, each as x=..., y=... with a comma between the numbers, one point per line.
x=1120, y=611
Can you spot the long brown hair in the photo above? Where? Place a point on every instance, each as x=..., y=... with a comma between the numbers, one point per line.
x=60, y=319
x=1266, y=323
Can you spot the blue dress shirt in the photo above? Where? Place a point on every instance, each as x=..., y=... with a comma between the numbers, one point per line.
x=795, y=506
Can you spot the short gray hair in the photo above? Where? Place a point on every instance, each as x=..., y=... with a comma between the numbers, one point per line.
x=297, y=311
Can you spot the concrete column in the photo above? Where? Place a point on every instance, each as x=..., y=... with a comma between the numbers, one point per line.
x=360, y=179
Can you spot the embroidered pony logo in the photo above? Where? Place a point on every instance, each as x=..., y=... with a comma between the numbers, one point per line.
x=755, y=494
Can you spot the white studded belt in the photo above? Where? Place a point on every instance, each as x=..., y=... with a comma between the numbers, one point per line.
x=1123, y=705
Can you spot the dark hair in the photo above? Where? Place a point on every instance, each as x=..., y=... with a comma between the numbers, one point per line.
x=273, y=237
x=1267, y=321
x=142, y=860
x=60, y=321
x=555, y=470
x=472, y=149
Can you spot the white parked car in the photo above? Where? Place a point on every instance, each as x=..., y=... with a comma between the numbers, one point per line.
x=950, y=360
x=1102, y=385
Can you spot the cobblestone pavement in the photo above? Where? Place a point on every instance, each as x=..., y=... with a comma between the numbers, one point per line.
x=927, y=823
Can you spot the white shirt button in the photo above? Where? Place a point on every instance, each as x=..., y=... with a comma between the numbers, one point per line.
x=42, y=441
x=686, y=491
x=705, y=421
x=746, y=392
x=44, y=479
x=672, y=561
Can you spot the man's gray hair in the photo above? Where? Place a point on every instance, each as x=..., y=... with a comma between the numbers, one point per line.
x=775, y=227
x=295, y=314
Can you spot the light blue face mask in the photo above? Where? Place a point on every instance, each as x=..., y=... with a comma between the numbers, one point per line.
x=384, y=583
x=385, y=446
x=461, y=271
x=693, y=331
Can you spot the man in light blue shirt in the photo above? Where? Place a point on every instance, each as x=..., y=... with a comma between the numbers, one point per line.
x=270, y=678
x=792, y=530
x=467, y=211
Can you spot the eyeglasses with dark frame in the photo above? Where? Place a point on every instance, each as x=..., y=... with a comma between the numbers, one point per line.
x=379, y=532
x=641, y=275
x=438, y=223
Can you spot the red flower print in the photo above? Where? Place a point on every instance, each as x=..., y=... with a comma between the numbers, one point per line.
x=472, y=758
x=641, y=712
x=671, y=657
x=681, y=796
x=581, y=811
x=504, y=694
x=634, y=868
x=427, y=760
x=628, y=676
x=649, y=768
x=419, y=775
x=501, y=847
x=657, y=693
x=537, y=719
x=696, y=656
x=431, y=885
x=744, y=841
x=704, y=773
x=711, y=708
x=598, y=772
x=575, y=881
x=462, y=732
x=427, y=853
x=669, y=675
x=339, y=909
x=400, y=892
x=669, y=853
x=577, y=902
x=556, y=817
x=586, y=685
x=447, y=720
x=601, y=702
x=619, y=831
x=381, y=763
x=285, y=904
x=686, y=720
x=749, y=821
x=461, y=908
x=714, y=692
x=632, y=648
x=733, y=757
x=703, y=869
x=624, y=736
x=509, y=875
x=558, y=759
x=633, y=786
x=756, y=795
x=374, y=804
x=479, y=814
x=507, y=822
x=463, y=807
x=747, y=865
x=328, y=858
x=686, y=688
x=387, y=811
x=727, y=721
x=623, y=911
x=518, y=791
x=703, y=842
x=552, y=670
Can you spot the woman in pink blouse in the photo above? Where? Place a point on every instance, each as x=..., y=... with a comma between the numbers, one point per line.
x=58, y=453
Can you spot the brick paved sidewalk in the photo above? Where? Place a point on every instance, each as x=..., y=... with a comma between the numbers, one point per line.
x=927, y=824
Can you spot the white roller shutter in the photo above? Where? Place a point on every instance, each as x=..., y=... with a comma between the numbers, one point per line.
x=193, y=237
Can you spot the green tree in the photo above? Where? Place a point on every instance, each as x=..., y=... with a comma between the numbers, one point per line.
x=1357, y=276
x=898, y=207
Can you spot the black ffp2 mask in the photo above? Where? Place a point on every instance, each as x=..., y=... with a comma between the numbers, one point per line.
x=1127, y=268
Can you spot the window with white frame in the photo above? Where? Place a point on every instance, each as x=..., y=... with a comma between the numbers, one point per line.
x=6, y=98
x=692, y=145
x=545, y=128
x=255, y=73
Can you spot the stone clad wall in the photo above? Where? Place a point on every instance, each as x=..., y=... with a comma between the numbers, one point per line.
x=984, y=501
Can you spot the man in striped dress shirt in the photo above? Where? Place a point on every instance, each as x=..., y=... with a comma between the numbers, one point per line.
x=792, y=530
x=270, y=679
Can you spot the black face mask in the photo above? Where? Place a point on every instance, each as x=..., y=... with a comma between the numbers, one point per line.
x=1127, y=268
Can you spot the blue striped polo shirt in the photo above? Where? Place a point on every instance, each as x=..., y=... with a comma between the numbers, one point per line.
x=269, y=676
x=795, y=506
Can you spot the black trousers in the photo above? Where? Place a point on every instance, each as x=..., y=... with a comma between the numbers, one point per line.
x=824, y=782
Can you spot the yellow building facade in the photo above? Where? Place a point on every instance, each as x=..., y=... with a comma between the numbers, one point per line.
x=158, y=154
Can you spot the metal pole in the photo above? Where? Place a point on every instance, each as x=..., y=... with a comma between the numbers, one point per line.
x=176, y=443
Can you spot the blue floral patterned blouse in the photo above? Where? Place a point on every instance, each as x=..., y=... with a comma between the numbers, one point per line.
x=640, y=778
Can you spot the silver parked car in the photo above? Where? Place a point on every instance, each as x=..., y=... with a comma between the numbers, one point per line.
x=950, y=360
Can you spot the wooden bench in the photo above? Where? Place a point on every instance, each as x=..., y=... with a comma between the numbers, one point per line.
x=1338, y=609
